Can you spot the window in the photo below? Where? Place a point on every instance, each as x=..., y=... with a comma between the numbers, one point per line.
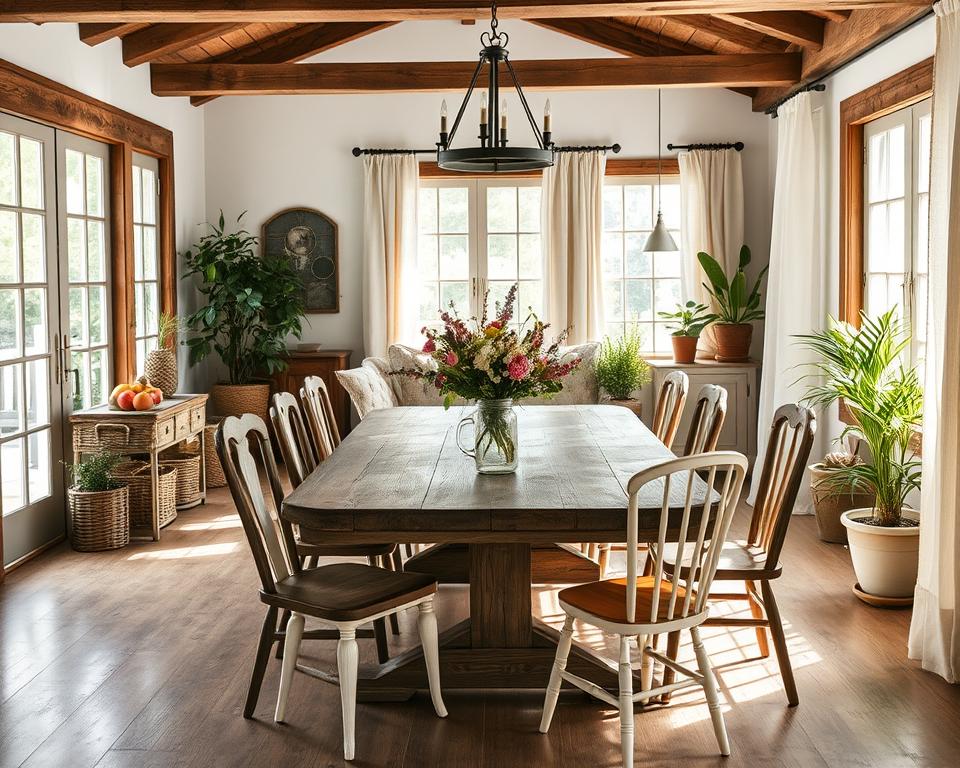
x=479, y=235
x=896, y=199
x=637, y=285
x=146, y=286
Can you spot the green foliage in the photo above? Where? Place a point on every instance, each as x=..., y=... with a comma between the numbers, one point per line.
x=862, y=366
x=168, y=329
x=621, y=368
x=252, y=304
x=94, y=473
x=689, y=320
x=734, y=303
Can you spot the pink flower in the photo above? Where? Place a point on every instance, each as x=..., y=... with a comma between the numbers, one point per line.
x=451, y=359
x=518, y=368
x=429, y=346
x=439, y=381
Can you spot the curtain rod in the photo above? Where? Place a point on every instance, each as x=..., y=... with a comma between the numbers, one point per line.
x=738, y=145
x=357, y=151
x=615, y=148
x=772, y=109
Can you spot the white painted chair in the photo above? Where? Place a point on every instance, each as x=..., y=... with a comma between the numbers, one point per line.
x=346, y=595
x=670, y=402
x=642, y=607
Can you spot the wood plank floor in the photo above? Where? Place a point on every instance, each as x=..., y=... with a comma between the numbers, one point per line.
x=141, y=658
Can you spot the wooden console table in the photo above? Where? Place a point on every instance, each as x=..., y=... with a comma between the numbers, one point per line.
x=323, y=363
x=176, y=419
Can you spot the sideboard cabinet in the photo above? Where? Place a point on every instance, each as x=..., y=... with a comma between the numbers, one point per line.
x=325, y=364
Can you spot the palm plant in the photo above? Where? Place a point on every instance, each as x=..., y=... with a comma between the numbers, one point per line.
x=863, y=367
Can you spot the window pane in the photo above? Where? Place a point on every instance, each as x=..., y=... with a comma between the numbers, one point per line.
x=878, y=166
x=38, y=465
x=502, y=257
x=427, y=209
x=670, y=197
x=612, y=252
x=454, y=258
x=429, y=303
x=923, y=156
x=38, y=393
x=9, y=261
x=149, y=253
x=78, y=317
x=98, y=324
x=149, y=196
x=529, y=299
x=923, y=233
x=529, y=205
x=76, y=250
x=639, y=301
x=637, y=261
x=497, y=292
x=12, y=457
x=427, y=263
x=612, y=207
x=502, y=209
x=137, y=196
x=454, y=209
x=150, y=307
x=74, y=174
x=138, y=253
x=34, y=250
x=638, y=202
x=667, y=264
x=31, y=173
x=896, y=222
x=667, y=295
x=9, y=324
x=613, y=298
x=94, y=186
x=95, y=252
x=35, y=321
x=457, y=293
x=895, y=172
x=531, y=257
x=140, y=328
x=98, y=377
x=8, y=169
x=11, y=401
x=78, y=361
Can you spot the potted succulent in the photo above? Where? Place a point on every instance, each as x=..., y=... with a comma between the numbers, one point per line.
x=253, y=303
x=863, y=367
x=736, y=306
x=98, y=505
x=832, y=496
x=687, y=323
x=621, y=369
x=160, y=366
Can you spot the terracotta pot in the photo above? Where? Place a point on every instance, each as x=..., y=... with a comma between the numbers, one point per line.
x=733, y=341
x=634, y=405
x=884, y=559
x=684, y=348
x=238, y=399
x=830, y=502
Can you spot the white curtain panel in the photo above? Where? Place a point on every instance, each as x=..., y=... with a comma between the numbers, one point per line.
x=390, y=188
x=572, y=213
x=794, y=290
x=711, y=209
x=935, y=629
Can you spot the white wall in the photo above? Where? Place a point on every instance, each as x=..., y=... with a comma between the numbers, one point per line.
x=267, y=153
x=55, y=51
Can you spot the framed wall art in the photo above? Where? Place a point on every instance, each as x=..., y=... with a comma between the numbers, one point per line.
x=309, y=239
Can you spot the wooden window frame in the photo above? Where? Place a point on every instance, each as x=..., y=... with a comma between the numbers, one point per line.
x=34, y=97
x=903, y=89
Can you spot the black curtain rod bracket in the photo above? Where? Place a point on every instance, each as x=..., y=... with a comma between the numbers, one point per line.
x=615, y=148
x=772, y=109
x=737, y=145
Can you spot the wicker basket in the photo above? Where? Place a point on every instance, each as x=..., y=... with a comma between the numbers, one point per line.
x=187, y=464
x=215, y=476
x=238, y=399
x=136, y=474
x=99, y=519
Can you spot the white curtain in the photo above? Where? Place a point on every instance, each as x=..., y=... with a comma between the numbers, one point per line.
x=935, y=629
x=572, y=213
x=390, y=184
x=794, y=291
x=711, y=209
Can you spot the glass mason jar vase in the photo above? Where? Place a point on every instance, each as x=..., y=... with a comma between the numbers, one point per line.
x=495, y=437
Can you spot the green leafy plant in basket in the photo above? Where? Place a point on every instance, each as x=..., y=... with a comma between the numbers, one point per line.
x=93, y=475
x=621, y=369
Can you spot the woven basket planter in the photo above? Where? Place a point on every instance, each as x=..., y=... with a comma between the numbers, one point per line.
x=238, y=399
x=187, y=464
x=215, y=476
x=136, y=474
x=99, y=519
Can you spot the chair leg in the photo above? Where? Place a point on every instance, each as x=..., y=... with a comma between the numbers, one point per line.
x=429, y=640
x=397, y=560
x=626, y=703
x=779, y=643
x=284, y=618
x=756, y=610
x=291, y=651
x=711, y=692
x=646, y=661
x=380, y=638
x=388, y=563
x=559, y=664
x=673, y=650
x=348, y=659
x=260, y=665
x=603, y=559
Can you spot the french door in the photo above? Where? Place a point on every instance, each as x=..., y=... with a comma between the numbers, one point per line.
x=54, y=317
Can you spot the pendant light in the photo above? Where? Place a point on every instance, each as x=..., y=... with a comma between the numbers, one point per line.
x=660, y=239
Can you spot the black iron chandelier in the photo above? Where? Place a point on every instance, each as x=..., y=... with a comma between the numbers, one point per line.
x=493, y=155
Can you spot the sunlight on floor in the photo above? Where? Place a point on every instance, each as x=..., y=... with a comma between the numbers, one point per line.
x=218, y=523
x=204, y=550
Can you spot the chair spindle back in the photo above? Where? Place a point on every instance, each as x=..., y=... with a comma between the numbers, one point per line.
x=320, y=418
x=708, y=418
x=670, y=401
x=296, y=446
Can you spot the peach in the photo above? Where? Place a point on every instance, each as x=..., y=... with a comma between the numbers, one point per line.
x=125, y=399
x=143, y=401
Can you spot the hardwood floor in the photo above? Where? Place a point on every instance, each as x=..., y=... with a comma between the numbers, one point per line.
x=141, y=658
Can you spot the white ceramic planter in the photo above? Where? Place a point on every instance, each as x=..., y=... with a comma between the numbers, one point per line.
x=884, y=559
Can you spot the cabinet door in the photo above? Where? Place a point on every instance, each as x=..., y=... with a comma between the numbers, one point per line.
x=735, y=434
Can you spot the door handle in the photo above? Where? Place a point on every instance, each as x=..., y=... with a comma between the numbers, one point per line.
x=57, y=361
x=65, y=351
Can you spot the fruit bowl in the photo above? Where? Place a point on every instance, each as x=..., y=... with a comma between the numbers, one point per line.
x=139, y=396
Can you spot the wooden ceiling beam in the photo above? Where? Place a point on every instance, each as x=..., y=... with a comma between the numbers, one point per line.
x=617, y=36
x=162, y=39
x=844, y=42
x=94, y=34
x=837, y=16
x=742, y=70
x=738, y=34
x=802, y=29
x=310, y=11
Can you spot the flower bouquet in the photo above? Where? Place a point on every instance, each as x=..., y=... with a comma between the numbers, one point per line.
x=488, y=361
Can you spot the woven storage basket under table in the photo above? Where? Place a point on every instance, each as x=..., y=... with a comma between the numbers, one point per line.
x=215, y=476
x=136, y=474
x=187, y=464
x=99, y=519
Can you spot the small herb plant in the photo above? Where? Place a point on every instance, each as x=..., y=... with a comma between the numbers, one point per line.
x=689, y=320
x=168, y=328
x=621, y=369
x=735, y=304
x=93, y=474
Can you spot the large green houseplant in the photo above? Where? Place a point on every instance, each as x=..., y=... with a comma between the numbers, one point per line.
x=252, y=304
x=864, y=368
x=621, y=369
x=736, y=306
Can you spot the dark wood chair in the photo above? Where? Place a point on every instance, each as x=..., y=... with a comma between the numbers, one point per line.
x=346, y=595
x=756, y=561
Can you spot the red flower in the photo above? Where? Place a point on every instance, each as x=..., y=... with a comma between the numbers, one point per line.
x=439, y=381
x=429, y=346
x=451, y=359
x=518, y=368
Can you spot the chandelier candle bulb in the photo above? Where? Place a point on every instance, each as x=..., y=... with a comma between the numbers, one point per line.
x=546, y=117
x=443, y=116
x=483, y=108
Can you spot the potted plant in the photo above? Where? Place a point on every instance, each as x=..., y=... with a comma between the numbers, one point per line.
x=862, y=366
x=832, y=495
x=687, y=324
x=98, y=505
x=253, y=303
x=736, y=307
x=621, y=369
x=160, y=366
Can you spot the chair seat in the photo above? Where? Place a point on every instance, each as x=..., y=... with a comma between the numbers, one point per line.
x=344, y=550
x=607, y=600
x=348, y=591
x=737, y=561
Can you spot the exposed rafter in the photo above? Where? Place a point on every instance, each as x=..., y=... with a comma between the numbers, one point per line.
x=615, y=35
x=803, y=29
x=94, y=34
x=161, y=39
x=742, y=36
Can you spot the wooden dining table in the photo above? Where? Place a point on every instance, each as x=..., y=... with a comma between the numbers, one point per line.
x=399, y=476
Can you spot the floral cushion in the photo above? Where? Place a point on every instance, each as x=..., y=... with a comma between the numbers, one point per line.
x=580, y=387
x=368, y=386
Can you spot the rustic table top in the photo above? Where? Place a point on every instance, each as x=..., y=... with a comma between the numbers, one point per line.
x=401, y=477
